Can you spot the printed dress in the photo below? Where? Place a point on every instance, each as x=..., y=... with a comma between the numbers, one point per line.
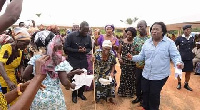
x=3, y=102
x=52, y=97
x=138, y=43
x=127, y=86
x=102, y=69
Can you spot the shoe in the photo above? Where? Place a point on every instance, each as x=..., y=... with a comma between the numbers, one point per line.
x=136, y=100
x=82, y=97
x=179, y=86
x=186, y=86
x=74, y=99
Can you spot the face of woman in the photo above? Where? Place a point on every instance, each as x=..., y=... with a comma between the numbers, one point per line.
x=22, y=44
x=58, y=48
x=129, y=36
x=106, y=50
x=109, y=31
x=58, y=52
x=156, y=32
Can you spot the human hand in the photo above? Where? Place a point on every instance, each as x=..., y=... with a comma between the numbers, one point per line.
x=78, y=71
x=81, y=49
x=72, y=85
x=39, y=67
x=120, y=61
x=129, y=56
x=180, y=65
x=11, y=85
x=112, y=75
x=24, y=85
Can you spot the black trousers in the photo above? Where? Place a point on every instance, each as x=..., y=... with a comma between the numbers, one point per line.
x=78, y=92
x=151, y=93
x=138, y=73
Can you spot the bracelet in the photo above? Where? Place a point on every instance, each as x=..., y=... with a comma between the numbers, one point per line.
x=18, y=89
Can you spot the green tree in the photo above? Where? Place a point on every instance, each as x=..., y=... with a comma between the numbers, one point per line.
x=38, y=14
x=130, y=21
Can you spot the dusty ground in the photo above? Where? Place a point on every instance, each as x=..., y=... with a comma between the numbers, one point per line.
x=171, y=98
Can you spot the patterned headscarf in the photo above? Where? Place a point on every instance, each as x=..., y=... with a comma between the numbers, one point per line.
x=55, y=57
x=21, y=34
x=43, y=38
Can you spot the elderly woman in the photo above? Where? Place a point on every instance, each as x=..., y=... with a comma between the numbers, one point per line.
x=127, y=79
x=10, y=59
x=104, y=70
x=55, y=68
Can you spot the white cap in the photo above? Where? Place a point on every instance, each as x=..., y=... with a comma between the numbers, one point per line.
x=107, y=43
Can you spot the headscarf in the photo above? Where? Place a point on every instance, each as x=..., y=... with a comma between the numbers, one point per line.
x=32, y=30
x=21, y=34
x=4, y=39
x=112, y=26
x=43, y=38
x=55, y=57
x=107, y=43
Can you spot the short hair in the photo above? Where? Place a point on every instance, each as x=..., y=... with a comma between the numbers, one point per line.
x=143, y=21
x=20, y=23
x=187, y=26
x=163, y=26
x=83, y=24
x=132, y=30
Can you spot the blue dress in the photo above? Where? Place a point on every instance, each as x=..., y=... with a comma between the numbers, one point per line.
x=52, y=97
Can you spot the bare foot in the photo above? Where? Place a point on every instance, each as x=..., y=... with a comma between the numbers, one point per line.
x=112, y=101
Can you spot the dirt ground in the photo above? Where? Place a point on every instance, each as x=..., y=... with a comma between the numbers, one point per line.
x=171, y=98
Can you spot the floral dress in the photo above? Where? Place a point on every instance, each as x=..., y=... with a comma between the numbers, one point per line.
x=102, y=69
x=127, y=79
x=52, y=97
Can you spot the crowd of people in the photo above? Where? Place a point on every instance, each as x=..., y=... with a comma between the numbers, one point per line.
x=34, y=61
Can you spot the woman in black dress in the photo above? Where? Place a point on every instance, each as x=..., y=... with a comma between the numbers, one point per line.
x=127, y=86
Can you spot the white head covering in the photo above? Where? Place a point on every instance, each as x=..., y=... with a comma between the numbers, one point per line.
x=107, y=43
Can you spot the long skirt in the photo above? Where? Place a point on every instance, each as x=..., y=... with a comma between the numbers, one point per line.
x=127, y=86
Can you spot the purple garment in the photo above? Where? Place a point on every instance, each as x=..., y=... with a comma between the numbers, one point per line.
x=101, y=39
x=90, y=71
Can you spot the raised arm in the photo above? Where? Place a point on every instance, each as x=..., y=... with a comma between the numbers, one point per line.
x=27, y=97
x=11, y=14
